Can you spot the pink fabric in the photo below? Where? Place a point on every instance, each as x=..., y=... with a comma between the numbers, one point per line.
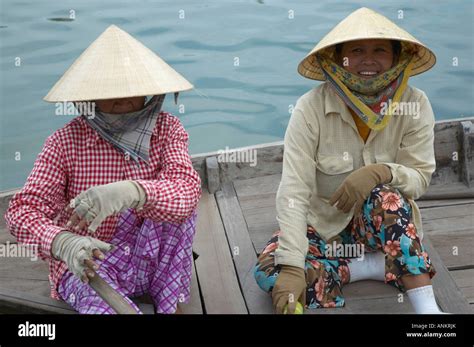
x=76, y=158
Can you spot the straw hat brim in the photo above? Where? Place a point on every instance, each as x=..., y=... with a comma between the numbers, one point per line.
x=364, y=24
x=116, y=65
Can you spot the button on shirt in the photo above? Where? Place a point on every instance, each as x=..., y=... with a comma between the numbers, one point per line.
x=75, y=158
x=322, y=147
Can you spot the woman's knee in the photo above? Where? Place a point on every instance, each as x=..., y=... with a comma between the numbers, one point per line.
x=384, y=187
x=388, y=198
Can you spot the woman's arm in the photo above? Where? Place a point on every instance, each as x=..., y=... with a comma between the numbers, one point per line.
x=175, y=193
x=415, y=161
x=31, y=211
x=296, y=186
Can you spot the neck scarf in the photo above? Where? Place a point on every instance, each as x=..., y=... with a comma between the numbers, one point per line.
x=366, y=97
x=130, y=132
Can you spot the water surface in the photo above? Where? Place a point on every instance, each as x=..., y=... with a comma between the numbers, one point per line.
x=234, y=105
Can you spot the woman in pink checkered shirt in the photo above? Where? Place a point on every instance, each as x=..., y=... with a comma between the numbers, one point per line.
x=114, y=190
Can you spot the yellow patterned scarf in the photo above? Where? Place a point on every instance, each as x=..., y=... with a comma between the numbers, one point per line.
x=368, y=96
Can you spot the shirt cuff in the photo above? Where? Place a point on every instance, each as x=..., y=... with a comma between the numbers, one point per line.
x=47, y=240
x=289, y=258
x=150, y=191
x=395, y=170
x=391, y=173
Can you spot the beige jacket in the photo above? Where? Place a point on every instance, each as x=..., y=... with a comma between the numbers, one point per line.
x=323, y=146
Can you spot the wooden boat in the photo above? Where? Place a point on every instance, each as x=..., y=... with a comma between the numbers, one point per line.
x=237, y=216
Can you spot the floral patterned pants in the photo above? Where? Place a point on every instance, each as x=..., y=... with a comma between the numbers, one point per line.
x=384, y=224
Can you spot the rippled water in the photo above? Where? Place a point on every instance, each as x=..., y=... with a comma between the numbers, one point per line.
x=234, y=105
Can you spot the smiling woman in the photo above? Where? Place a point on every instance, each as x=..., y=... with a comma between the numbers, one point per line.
x=368, y=58
x=366, y=61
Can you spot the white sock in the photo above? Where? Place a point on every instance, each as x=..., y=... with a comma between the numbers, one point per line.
x=423, y=300
x=371, y=268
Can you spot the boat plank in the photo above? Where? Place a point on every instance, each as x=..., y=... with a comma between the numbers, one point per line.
x=455, y=248
x=370, y=289
x=214, y=267
x=447, y=293
x=370, y=297
x=422, y=204
x=24, y=287
x=465, y=281
x=448, y=225
x=448, y=190
x=380, y=306
x=437, y=213
x=242, y=250
x=257, y=186
x=23, y=268
x=194, y=306
x=252, y=202
x=262, y=224
x=6, y=237
x=36, y=287
x=18, y=301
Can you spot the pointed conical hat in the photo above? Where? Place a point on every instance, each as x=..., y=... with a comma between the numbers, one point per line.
x=363, y=24
x=116, y=65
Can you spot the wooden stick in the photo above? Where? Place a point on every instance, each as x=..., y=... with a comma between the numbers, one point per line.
x=106, y=292
x=110, y=295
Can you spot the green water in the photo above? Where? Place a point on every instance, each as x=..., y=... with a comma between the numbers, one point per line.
x=234, y=105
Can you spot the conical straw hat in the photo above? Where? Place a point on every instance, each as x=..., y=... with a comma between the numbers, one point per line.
x=362, y=24
x=116, y=65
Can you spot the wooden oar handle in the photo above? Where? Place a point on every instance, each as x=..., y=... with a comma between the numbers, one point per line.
x=110, y=296
x=106, y=292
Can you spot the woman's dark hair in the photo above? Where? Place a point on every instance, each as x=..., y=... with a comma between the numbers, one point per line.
x=396, y=48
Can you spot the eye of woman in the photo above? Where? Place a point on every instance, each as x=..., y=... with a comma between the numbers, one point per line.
x=357, y=50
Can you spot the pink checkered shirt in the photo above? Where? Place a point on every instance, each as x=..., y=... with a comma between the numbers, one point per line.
x=75, y=158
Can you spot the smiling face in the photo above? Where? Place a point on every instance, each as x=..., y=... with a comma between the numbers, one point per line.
x=366, y=58
x=122, y=105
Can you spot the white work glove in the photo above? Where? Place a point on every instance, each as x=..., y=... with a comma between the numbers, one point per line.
x=78, y=251
x=97, y=203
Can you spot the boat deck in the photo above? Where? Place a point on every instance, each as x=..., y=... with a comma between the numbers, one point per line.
x=235, y=223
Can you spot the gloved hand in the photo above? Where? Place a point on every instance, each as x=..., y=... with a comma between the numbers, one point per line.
x=97, y=203
x=355, y=189
x=290, y=287
x=78, y=251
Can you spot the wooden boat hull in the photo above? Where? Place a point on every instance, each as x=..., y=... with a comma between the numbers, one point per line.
x=237, y=215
